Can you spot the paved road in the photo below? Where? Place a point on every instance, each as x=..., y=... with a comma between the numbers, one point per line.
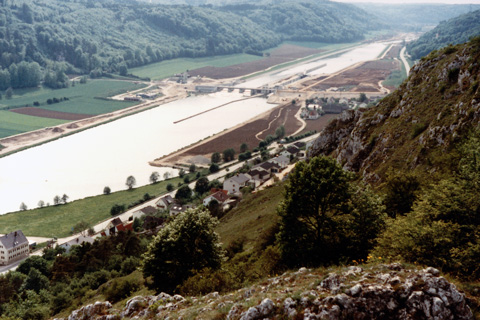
x=404, y=60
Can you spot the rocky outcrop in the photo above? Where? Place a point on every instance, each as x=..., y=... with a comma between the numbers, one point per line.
x=373, y=292
x=437, y=105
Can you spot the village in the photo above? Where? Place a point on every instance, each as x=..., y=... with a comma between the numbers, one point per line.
x=252, y=175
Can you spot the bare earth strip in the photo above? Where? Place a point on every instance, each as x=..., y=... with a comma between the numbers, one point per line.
x=38, y=112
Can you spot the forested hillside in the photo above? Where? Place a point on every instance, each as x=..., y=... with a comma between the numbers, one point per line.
x=415, y=17
x=454, y=31
x=53, y=38
x=310, y=21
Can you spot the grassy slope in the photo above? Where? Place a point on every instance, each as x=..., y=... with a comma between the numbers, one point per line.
x=252, y=218
x=13, y=123
x=57, y=221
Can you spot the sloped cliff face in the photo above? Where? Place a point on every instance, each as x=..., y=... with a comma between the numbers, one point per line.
x=415, y=128
x=380, y=291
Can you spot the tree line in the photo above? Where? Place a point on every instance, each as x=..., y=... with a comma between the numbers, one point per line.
x=54, y=38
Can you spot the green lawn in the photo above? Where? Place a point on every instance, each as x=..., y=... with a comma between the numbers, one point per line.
x=168, y=68
x=57, y=221
x=81, y=97
x=13, y=123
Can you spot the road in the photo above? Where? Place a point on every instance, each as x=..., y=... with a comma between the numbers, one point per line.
x=404, y=60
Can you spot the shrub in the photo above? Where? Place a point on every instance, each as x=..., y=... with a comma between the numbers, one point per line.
x=208, y=280
x=417, y=129
x=119, y=289
x=214, y=168
x=117, y=209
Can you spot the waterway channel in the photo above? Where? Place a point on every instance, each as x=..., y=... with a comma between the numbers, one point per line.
x=83, y=164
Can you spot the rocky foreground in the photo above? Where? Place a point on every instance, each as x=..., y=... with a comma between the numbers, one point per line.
x=375, y=292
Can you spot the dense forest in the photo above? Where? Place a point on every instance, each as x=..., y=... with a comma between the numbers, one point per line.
x=454, y=31
x=54, y=38
x=415, y=17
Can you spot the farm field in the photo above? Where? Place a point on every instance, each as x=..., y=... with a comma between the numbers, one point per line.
x=80, y=96
x=83, y=100
x=168, y=68
x=13, y=123
x=282, y=54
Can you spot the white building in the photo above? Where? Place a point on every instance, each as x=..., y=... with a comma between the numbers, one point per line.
x=13, y=247
x=76, y=242
x=235, y=183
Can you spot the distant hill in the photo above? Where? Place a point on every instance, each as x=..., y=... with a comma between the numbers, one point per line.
x=418, y=127
x=415, y=17
x=453, y=31
x=110, y=36
x=322, y=21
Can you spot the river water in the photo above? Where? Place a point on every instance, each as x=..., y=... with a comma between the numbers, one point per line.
x=83, y=164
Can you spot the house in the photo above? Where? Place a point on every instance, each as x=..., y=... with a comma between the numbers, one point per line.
x=164, y=202
x=13, y=247
x=178, y=208
x=290, y=151
x=299, y=144
x=219, y=196
x=149, y=210
x=259, y=176
x=282, y=161
x=270, y=167
x=235, y=183
x=76, y=242
x=115, y=226
x=112, y=227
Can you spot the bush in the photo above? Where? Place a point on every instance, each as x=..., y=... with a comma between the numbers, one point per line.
x=208, y=280
x=117, y=209
x=214, y=168
x=119, y=289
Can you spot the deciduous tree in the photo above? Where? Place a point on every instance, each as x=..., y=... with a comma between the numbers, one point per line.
x=186, y=244
x=216, y=157
x=154, y=177
x=228, y=154
x=324, y=218
x=131, y=182
x=202, y=185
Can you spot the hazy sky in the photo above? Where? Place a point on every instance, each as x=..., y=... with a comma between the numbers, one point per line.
x=414, y=1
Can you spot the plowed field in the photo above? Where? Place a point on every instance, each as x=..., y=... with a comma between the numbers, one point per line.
x=38, y=112
x=280, y=55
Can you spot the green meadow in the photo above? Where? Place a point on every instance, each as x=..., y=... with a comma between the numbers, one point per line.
x=57, y=221
x=13, y=123
x=83, y=98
